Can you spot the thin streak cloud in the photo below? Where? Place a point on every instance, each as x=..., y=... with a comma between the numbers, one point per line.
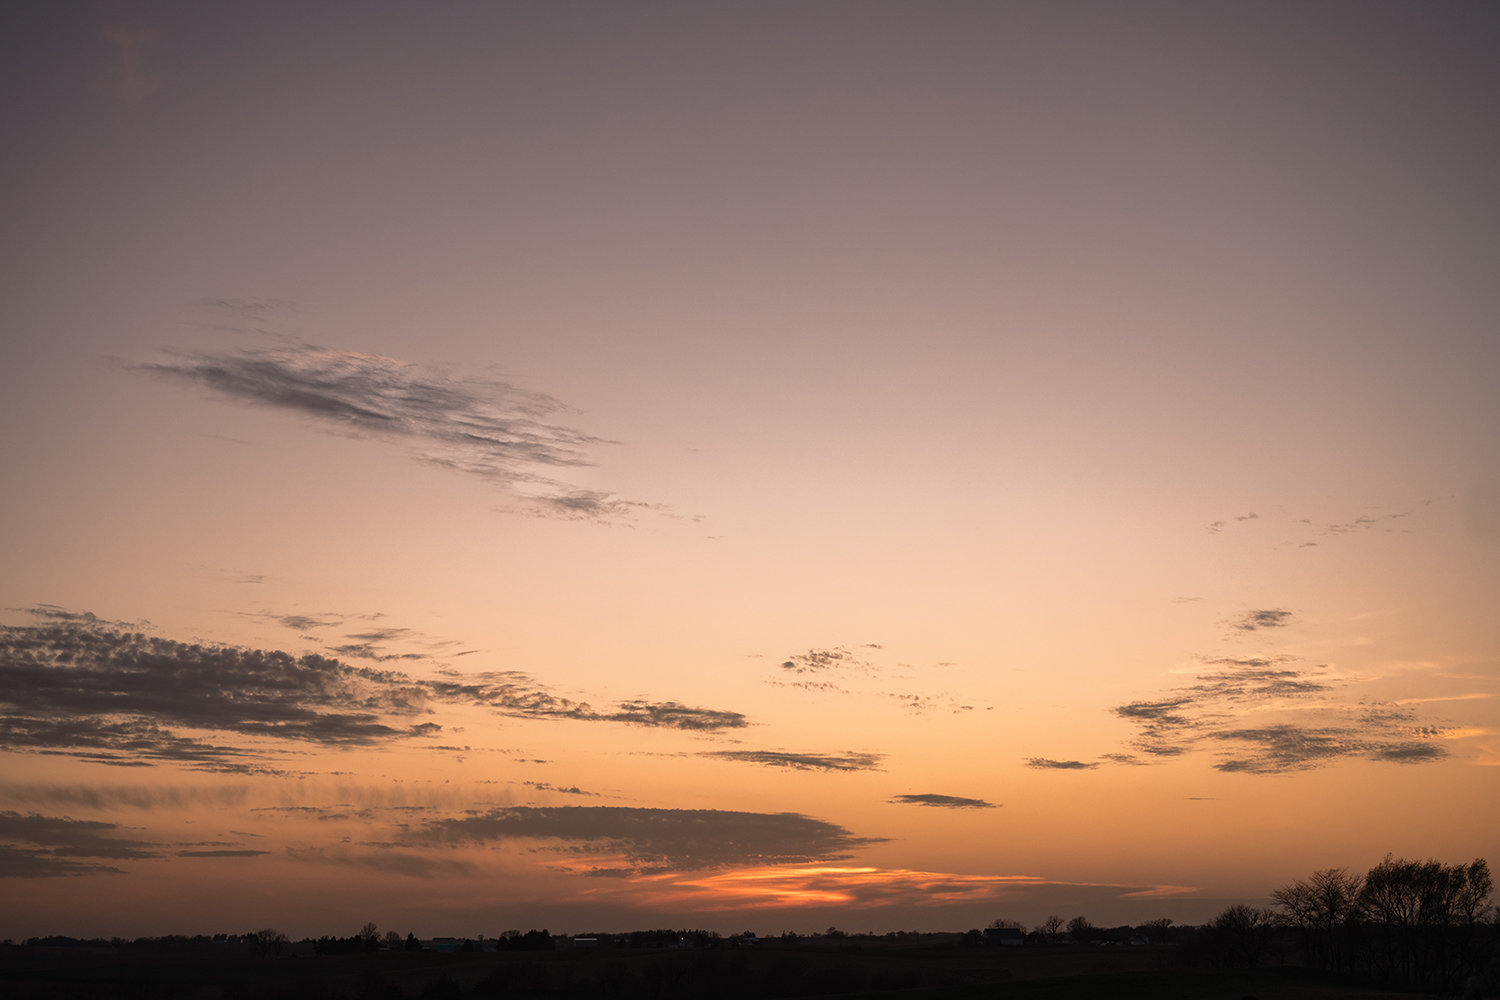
x=847, y=761
x=482, y=427
x=943, y=801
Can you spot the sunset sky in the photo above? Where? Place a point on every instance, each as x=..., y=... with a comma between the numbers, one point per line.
x=477, y=466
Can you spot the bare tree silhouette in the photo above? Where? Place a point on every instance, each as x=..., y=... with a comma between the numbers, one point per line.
x=268, y=943
x=1051, y=927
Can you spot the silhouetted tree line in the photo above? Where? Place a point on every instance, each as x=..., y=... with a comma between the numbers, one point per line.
x=167, y=942
x=1078, y=931
x=1412, y=924
x=352, y=945
x=532, y=940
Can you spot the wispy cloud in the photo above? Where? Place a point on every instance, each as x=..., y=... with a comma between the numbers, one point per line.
x=652, y=841
x=1300, y=723
x=481, y=427
x=112, y=796
x=943, y=801
x=847, y=761
x=1303, y=529
x=370, y=642
x=519, y=695
x=671, y=715
x=387, y=862
x=221, y=854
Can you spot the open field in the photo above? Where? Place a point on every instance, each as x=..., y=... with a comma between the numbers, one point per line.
x=913, y=973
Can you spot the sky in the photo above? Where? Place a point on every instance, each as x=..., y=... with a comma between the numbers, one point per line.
x=765, y=467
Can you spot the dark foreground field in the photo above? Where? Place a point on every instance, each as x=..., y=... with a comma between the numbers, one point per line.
x=768, y=973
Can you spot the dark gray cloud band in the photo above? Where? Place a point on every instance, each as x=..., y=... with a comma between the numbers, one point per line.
x=102, y=692
x=659, y=840
x=39, y=846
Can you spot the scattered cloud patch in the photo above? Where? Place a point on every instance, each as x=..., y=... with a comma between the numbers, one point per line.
x=543, y=786
x=943, y=801
x=847, y=761
x=1387, y=522
x=921, y=704
x=1215, y=527
x=1301, y=724
x=827, y=687
x=822, y=660
x=1252, y=621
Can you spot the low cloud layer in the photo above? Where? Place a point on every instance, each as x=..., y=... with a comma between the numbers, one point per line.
x=848, y=761
x=100, y=691
x=482, y=427
x=653, y=841
x=943, y=801
x=1298, y=722
x=36, y=846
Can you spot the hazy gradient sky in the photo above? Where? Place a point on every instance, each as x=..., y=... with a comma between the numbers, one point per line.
x=475, y=466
